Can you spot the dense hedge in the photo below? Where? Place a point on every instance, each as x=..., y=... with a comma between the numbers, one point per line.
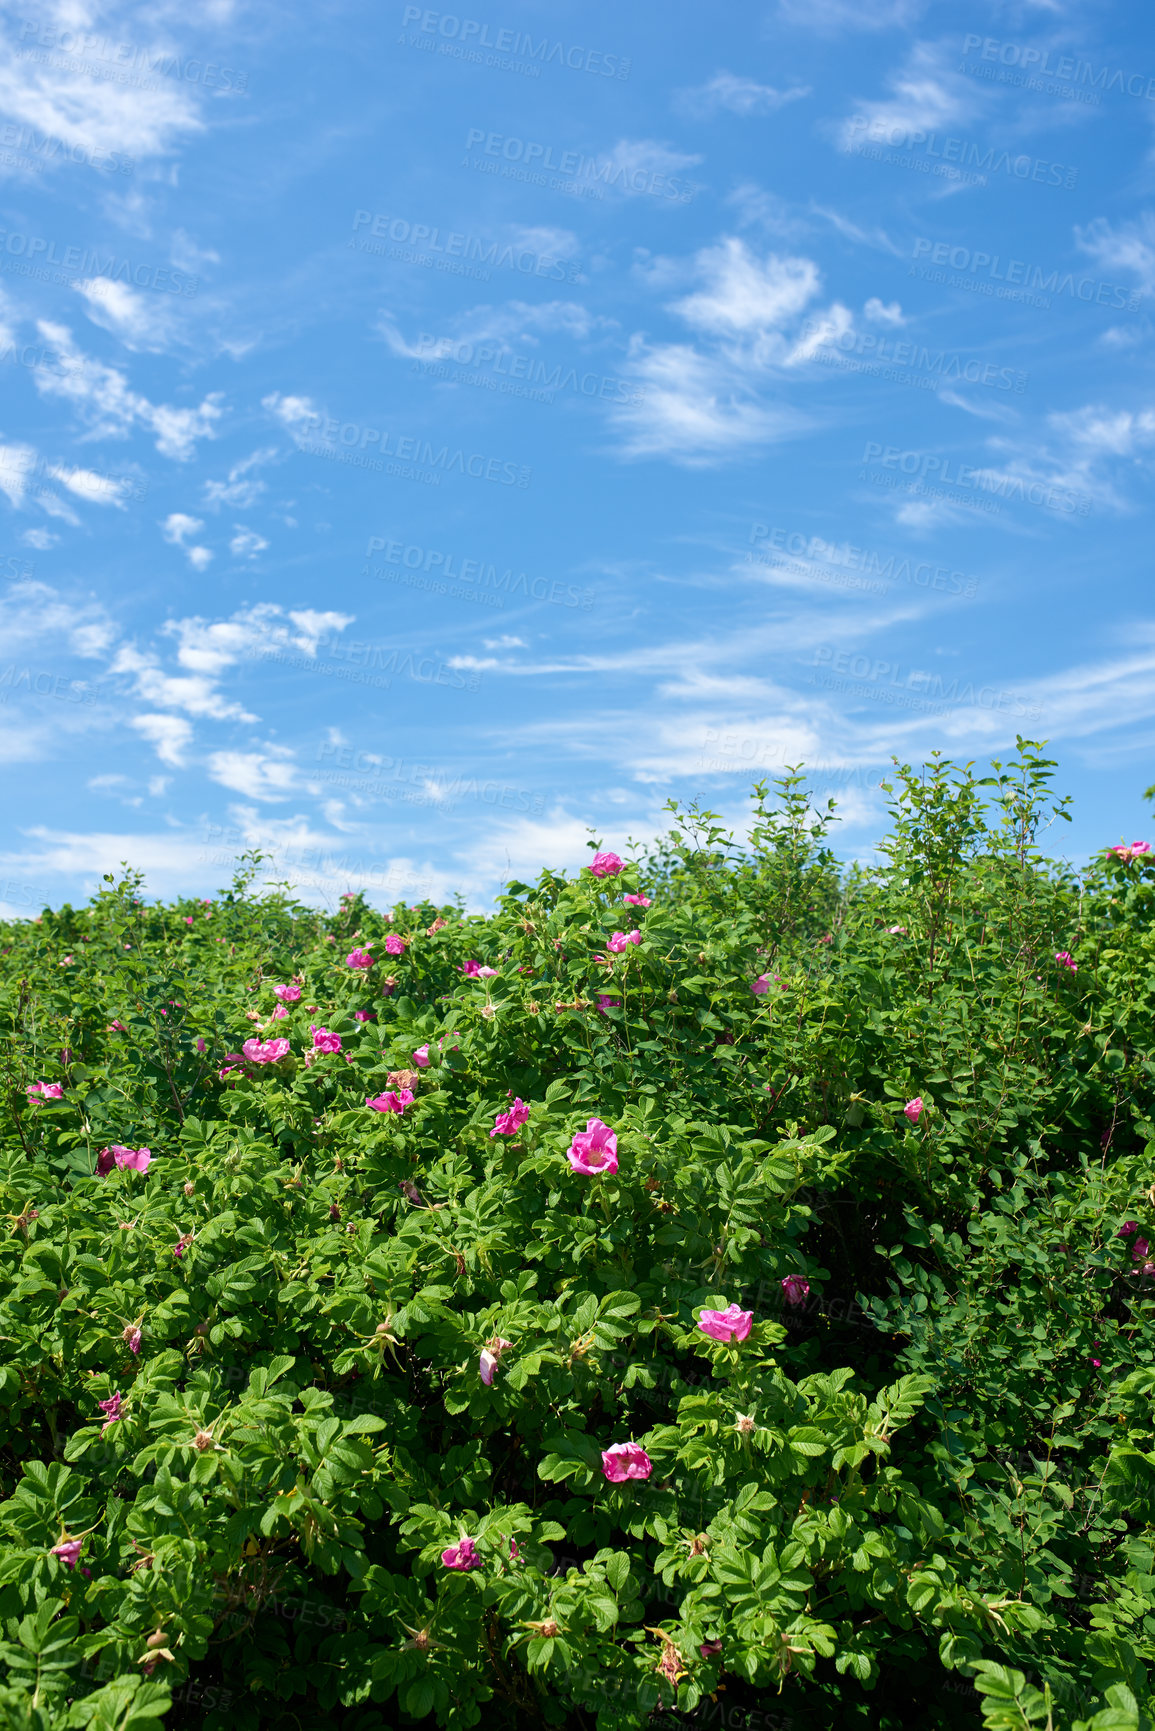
x=338, y=1386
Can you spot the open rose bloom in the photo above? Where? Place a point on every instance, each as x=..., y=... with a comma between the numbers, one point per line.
x=730, y=1324
x=266, y=1051
x=594, y=1149
x=461, y=1556
x=130, y=1159
x=628, y=1460
x=393, y=1101
x=45, y=1090
x=509, y=1123
x=287, y=994
x=358, y=959
x=606, y=865
x=489, y=1357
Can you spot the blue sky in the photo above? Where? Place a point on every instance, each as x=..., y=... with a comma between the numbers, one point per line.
x=428, y=437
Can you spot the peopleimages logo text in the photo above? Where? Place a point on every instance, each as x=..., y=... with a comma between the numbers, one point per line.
x=960, y=151
x=90, y=262
x=1030, y=276
x=573, y=165
x=942, y=470
x=466, y=247
x=471, y=32
x=1079, y=72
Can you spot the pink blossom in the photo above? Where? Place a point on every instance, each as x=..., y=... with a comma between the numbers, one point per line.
x=364, y=1016
x=394, y=945
x=391, y=1102
x=594, y=1149
x=46, y=1090
x=638, y=901
x=1139, y=1249
x=323, y=1040
x=287, y=994
x=117, y=1028
x=605, y=1003
x=279, y=1014
x=1096, y=1362
x=509, y=1123
x=188, y=919
x=68, y=1552
x=1139, y=847
x=135, y=1159
x=628, y=1460
x=471, y=969
x=461, y=1556
x=762, y=984
x=897, y=931
x=514, y=1551
x=730, y=1324
x=795, y=1289
x=619, y=940
x=489, y=1357
x=1066, y=960
x=132, y=1338
x=201, y=1046
x=486, y=973
x=1127, y=1228
x=266, y=1052
x=362, y=958
x=606, y=865
x=233, y=1061
x=111, y=1406
x=182, y=1244
x=421, y=1056
x=914, y=1109
x=708, y=1649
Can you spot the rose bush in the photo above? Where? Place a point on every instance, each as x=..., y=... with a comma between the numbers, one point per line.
x=529, y=1356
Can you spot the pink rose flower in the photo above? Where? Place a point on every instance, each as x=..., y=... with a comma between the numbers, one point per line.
x=188, y=919
x=461, y=1556
x=391, y=1102
x=914, y=1109
x=606, y=865
x=287, y=994
x=509, y=1123
x=795, y=1289
x=1127, y=1228
x=360, y=959
x=896, y=931
x=628, y=1460
x=68, y=1552
x=619, y=940
x=135, y=1159
x=594, y=1149
x=709, y=1649
x=1140, y=847
x=266, y=1052
x=763, y=983
x=323, y=1040
x=46, y=1090
x=730, y=1324
x=117, y=1028
x=182, y=1244
x=605, y=1003
x=111, y=1407
x=201, y=1046
x=1139, y=1249
x=132, y=1339
x=1066, y=960
x=486, y=973
x=394, y=945
x=638, y=901
x=489, y=1357
x=471, y=969
x=421, y=1056
x=364, y=1016
x=279, y=1014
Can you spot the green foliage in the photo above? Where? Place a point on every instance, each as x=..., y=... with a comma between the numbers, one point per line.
x=248, y=1379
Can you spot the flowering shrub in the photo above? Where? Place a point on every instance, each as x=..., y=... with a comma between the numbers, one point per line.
x=529, y=1356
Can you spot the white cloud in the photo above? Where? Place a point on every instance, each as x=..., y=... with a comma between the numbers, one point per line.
x=696, y=409
x=240, y=490
x=1128, y=247
x=199, y=558
x=32, y=614
x=265, y=775
x=96, y=489
x=169, y=735
x=41, y=539
x=296, y=414
x=744, y=295
x=646, y=158
x=142, y=322
x=177, y=527
x=101, y=397
x=928, y=94
x=246, y=543
x=17, y=464
x=743, y=96
x=879, y=314
x=505, y=643
x=195, y=693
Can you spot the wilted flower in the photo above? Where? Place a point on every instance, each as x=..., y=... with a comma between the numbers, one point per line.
x=914, y=1109
x=391, y=1102
x=394, y=945
x=461, y=1556
x=795, y=1289
x=46, y=1090
x=745, y=1424
x=1066, y=960
x=606, y=865
x=287, y=994
x=323, y=1040
x=730, y=1324
x=182, y=1244
x=638, y=901
x=594, y=1149
x=628, y=1460
x=489, y=1357
x=436, y=926
x=509, y=1123
x=131, y=1338
x=111, y=1407
x=268, y=1052
x=402, y=1079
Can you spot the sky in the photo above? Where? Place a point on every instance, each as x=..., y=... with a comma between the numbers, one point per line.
x=430, y=441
